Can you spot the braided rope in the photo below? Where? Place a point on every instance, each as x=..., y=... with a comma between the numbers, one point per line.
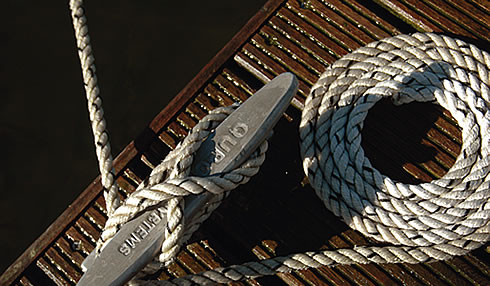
x=169, y=182
x=96, y=113
x=421, y=67
x=437, y=220
x=425, y=222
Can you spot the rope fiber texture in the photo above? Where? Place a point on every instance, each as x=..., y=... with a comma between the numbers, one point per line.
x=94, y=103
x=448, y=216
x=171, y=181
x=425, y=222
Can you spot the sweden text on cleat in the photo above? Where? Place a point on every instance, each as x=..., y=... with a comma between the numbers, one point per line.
x=233, y=141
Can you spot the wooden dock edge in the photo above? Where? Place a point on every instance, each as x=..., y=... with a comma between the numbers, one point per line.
x=89, y=194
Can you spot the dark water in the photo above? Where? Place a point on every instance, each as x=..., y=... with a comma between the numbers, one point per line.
x=146, y=51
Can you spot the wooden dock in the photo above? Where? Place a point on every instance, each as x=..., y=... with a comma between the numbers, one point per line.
x=265, y=217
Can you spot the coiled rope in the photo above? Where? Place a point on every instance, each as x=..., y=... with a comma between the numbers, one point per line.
x=447, y=216
x=425, y=222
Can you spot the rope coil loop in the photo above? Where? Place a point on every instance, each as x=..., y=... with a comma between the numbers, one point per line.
x=445, y=217
x=429, y=221
x=425, y=222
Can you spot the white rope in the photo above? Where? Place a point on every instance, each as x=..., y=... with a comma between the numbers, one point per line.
x=101, y=138
x=169, y=182
x=425, y=222
x=422, y=67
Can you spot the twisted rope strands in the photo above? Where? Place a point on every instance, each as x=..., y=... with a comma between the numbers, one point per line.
x=96, y=113
x=301, y=261
x=170, y=182
x=425, y=214
x=426, y=222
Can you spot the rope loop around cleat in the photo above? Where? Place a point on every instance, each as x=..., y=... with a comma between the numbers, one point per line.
x=425, y=222
x=171, y=181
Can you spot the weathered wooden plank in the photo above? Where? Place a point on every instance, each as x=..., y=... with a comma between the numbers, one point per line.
x=476, y=13
x=253, y=65
x=177, y=130
x=196, y=111
x=285, y=60
x=218, y=95
x=186, y=121
x=69, y=249
x=379, y=19
x=479, y=264
x=99, y=203
x=96, y=218
x=175, y=270
x=85, y=227
x=447, y=274
x=261, y=56
x=283, y=27
x=429, y=14
x=442, y=11
x=328, y=41
x=83, y=245
x=168, y=139
x=358, y=20
x=231, y=90
x=481, y=4
x=449, y=129
x=126, y=187
x=336, y=13
x=187, y=261
x=55, y=276
x=203, y=255
x=468, y=271
x=207, y=102
x=63, y=266
x=276, y=38
x=409, y=16
x=444, y=142
x=341, y=33
x=235, y=73
x=24, y=281
x=132, y=177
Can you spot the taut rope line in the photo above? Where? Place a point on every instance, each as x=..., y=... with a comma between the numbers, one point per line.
x=94, y=103
x=425, y=222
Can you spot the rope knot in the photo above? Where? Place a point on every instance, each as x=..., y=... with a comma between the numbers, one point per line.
x=171, y=181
